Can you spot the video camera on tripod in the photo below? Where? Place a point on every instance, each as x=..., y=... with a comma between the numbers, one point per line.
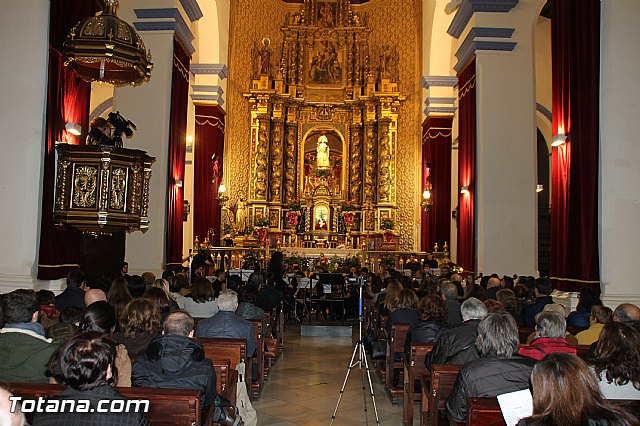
x=120, y=125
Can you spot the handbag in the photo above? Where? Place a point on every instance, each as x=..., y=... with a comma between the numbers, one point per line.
x=379, y=349
x=225, y=413
x=247, y=412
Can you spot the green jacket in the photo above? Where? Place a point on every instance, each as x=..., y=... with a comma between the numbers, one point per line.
x=24, y=356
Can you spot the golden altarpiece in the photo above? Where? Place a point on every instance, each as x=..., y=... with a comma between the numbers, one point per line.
x=324, y=129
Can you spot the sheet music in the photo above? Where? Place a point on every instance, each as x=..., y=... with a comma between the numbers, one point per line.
x=515, y=406
x=304, y=283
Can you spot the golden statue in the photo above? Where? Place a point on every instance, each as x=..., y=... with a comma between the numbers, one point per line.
x=322, y=149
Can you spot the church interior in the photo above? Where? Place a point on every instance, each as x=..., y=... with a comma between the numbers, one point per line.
x=491, y=136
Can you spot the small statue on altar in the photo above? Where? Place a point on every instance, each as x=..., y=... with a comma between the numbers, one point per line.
x=264, y=56
x=321, y=224
x=322, y=148
x=241, y=215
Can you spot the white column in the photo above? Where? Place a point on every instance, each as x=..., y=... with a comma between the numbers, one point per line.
x=149, y=107
x=619, y=152
x=24, y=31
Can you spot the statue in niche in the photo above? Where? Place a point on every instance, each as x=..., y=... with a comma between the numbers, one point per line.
x=385, y=59
x=264, y=56
x=327, y=17
x=322, y=148
x=241, y=214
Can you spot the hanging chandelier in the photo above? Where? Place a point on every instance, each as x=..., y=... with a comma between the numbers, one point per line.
x=107, y=49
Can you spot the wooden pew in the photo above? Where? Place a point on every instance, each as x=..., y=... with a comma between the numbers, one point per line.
x=486, y=411
x=166, y=407
x=233, y=351
x=226, y=380
x=413, y=368
x=271, y=344
x=258, y=381
x=436, y=388
x=395, y=344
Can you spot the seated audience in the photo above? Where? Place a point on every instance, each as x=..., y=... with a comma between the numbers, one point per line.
x=73, y=295
x=628, y=313
x=404, y=310
x=49, y=314
x=477, y=292
x=247, y=308
x=457, y=345
x=138, y=324
x=137, y=286
x=268, y=295
x=498, y=370
x=580, y=318
x=94, y=295
x=67, y=327
x=101, y=317
x=433, y=316
x=175, y=361
x=86, y=365
x=202, y=302
x=148, y=278
x=493, y=286
x=160, y=300
x=554, y=404
x=119, y=295
x=226, y=324
x=510, y=302
x=600, y=316
x=542, y=290
x=558, y=309
x=494, y=307
x=163, y=284
x=550, y=337
x=25, y=349
x=617, y=361
x=450, y=296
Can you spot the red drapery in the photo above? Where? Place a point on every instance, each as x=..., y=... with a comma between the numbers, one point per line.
x=67, y=100
x=209, y=141
x=575, y=32
x=177, y=151
x=467, y=166
x=436, y=151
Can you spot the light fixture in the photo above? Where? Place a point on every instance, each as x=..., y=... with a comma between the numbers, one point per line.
x=107, y=49
x=178, y=183
x=464, y=190
x=427, y=202
x=222, y=193
x=539, y=187
x=189, y=140
x=73, y=128
x=558, y=139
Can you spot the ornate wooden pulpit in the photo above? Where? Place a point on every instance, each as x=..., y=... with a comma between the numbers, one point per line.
x=101, y=190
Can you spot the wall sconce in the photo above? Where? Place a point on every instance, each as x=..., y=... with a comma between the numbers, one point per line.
x=464, y=190
x=222, y=193
x=73, y=128
x=427, y=202
x=189, y=140
x=539, y=187
x=558, y=139
x=178, y=183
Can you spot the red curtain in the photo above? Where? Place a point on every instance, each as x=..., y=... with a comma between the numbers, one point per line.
x=436, y=163
x=177, y=151
x=575, y=32
x=209, y=141
x=466, y=255
x=67, y=100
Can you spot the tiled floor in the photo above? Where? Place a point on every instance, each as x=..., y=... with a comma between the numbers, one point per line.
x=304, y=386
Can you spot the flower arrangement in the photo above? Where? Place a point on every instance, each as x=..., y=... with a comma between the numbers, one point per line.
x=294, y=206
x=347, y=206
x=261, y=220
x=309, y=159
x=323, y=173
x=387, y=223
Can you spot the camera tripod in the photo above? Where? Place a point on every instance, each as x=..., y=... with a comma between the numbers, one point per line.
x=361, y=363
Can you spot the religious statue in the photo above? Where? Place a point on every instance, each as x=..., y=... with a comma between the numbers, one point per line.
x=241, y=215
x=385, y=59
x=326, y=16
x=264, y=56
x=322, y=149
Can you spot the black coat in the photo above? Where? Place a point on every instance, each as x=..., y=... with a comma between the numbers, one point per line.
x=93, y=418
x=175, y=362
x=529, y=312
x=455, y=345
x=485, y=377
x=421, y=332
x=228, y=325
x=401, y=316
x=72, y=296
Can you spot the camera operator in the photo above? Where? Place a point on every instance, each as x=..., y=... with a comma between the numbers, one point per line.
x=99, y=132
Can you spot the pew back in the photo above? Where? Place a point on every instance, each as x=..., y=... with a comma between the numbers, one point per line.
x=413, y=368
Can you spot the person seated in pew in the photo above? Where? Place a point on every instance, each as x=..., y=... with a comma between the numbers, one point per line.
x=600, y=316
x=554, y=404
x=542, y=291
x=558, y=309
x=174, y=360
x=86, y=365
x=581, y=317
x=139, y=324
x=457, y=345
x=433, y=316
x=617, y=361
x=498, y=370
x=226, y=324
x=403, y=310
x=550, y=332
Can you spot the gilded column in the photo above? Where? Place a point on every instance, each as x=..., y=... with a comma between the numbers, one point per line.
x=385, y=157
x=291, y=139
x=370, y=156
x=355, y=163
x=276, y=165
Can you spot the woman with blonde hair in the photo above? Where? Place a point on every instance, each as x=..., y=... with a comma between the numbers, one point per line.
x=553, y=404
x=164, y=285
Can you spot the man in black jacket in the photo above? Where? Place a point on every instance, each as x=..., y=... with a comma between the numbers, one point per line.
x=73, y=295
x=542, y=290
x=457, y=345
x=499, y=369
x=175, y=361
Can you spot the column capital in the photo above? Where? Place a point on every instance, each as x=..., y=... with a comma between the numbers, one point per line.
x=220, y=70
x=207, y=93
x=469, y=7
x=475, y=41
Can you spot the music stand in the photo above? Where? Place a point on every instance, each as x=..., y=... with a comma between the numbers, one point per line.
x=332, y=280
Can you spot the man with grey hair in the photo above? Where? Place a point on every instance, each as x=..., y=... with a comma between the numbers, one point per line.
x=457, y=345
x=628, y=313
x=493, y=286
x=226, y=324
x=450, y=296
x=551, y=329
x=499, y=369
